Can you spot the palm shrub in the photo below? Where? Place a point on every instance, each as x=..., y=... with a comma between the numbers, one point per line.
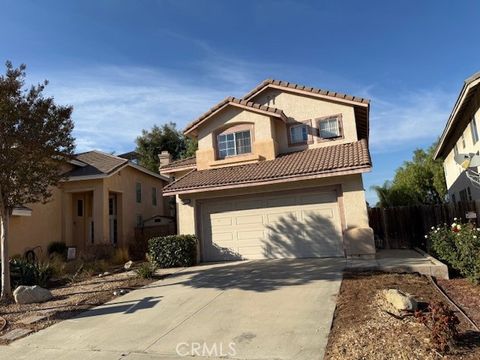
x=458, y=245
x=173, y=250
x=23, y=272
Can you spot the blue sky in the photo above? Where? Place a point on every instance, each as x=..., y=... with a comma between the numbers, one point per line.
x=126, y=65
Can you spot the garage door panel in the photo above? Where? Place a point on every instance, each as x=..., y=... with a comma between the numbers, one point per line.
x=280, y=201
x=281, y=226
x=221, y=221
x=286, y=217
x=319, y=198
x=253, y=235
x=249, y=219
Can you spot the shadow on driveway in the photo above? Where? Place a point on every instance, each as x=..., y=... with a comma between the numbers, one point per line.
x=263, y=275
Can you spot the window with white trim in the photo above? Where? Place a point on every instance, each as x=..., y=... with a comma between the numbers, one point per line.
x=329, y=128
x=473, y=128
x=299, y=134
x=234, y=143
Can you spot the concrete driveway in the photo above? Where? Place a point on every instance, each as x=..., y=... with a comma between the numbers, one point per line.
x=275, y=309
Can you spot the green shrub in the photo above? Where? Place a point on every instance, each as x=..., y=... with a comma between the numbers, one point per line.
x=58, y=248
x=173, y=250
x=146, y=270
x=459, y=246
x=24, y=273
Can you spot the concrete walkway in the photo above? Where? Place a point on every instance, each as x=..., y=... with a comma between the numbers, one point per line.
x=276, y=309
x=404, y=260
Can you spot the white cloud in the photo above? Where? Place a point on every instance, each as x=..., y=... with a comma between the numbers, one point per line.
x=411, y=118
x=113, y=105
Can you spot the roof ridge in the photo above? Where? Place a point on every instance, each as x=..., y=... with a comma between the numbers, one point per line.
x=287, y=84
x=239, y=101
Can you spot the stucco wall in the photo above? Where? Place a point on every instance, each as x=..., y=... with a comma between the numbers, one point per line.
x=270, y=135
x=53, y=221
x=43, y=227
x=454, y=174
x=355, y=208
x=299, y=108
x=262, y=142
x=124, y=183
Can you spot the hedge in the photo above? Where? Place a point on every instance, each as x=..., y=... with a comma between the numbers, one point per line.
x=173, y=250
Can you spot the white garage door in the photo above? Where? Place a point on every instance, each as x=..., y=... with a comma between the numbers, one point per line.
x=272, y=226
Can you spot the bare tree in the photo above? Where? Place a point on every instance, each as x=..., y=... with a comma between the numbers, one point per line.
x=35, y=142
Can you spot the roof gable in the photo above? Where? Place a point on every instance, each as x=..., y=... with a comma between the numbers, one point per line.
x=100, y=165
x=467, y=104
x=240, y=103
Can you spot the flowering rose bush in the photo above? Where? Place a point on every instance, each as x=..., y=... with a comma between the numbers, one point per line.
x=458, y=244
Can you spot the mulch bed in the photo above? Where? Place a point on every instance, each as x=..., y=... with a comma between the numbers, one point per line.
x=465, y=294
x=362, y=330
x=68, y=301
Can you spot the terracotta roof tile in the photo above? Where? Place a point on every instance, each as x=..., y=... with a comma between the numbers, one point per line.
x=234, y=101
x=334, y=158
x=187, y=162
x=97, y=163
x=304, y=88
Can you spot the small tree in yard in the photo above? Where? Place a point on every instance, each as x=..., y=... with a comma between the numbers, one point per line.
x=35, y=141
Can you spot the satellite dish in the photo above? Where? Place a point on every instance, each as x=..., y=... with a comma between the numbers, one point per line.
x=470, y=163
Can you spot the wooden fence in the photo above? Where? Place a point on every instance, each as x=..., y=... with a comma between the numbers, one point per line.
x=406, y=226
x=139, y=247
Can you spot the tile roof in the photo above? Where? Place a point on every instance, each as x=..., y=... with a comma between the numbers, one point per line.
x=323, y=160
x=286, y=84
x=97, y=163
x=187, y=162
x=236, y=102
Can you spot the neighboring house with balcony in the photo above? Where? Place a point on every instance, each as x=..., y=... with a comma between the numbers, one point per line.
x=102, y=200
x=461, y=136
x=277, y=174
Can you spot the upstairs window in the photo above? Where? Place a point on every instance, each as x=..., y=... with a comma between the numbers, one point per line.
x=138, y=190
x=232, y=143
x=329, y=128
x=474, y=130
x=463, y=141
x=298, y=133
x=154, y=196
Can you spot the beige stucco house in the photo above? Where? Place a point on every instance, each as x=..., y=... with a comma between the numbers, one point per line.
x=460, y=136
x=277, y=174
x=102, y=200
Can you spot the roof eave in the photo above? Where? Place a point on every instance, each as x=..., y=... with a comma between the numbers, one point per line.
x=348, y=99
x=177, y=169
x=323, y=174
x=191, y=129
x=467, y=86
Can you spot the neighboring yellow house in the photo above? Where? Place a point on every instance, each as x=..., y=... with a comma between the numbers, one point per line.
x=460, y=136
x=277, y=174
x=102, y=201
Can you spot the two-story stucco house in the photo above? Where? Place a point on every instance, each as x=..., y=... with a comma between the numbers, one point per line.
x=102, y=200
x=460, y=136
x=277, y=174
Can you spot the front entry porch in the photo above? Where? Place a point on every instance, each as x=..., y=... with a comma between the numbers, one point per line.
x=92, y=218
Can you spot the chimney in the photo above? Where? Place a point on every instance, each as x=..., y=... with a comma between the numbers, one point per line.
x=165, y=158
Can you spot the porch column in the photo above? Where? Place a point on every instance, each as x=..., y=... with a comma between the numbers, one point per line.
x=67, y=218
x=100, y=214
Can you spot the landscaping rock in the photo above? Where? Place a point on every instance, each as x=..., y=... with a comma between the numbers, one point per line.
x=128, y=265
x=399, y=300
x=31, y=294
